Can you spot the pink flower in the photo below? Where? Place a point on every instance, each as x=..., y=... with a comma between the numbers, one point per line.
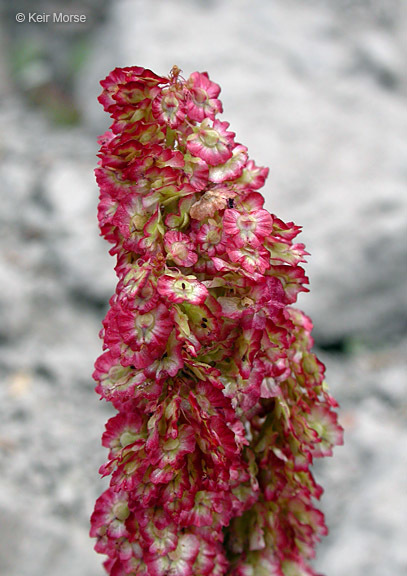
x=151, y=328
x=178, y=563
x=209, y=238
x=180, y=249
x=247, y=228
x=121, y=431
x=252, y=176
x=168, y=107
x=211, y=142
x=174, y=449
x=251, y=202
x=169, y=363
x=133, y=93
x=232, y=168
x=203, y=93
x=122, y=76
x=153, y=231
x=179, y=288
x=131, y=218
x=113, y=183
x=110, y=515
x=325, y=423
x=293, y=280
x=208, y=507
x=251, y=258
x=197, y=171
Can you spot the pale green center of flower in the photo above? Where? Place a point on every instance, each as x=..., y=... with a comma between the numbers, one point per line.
x=250, y=256
x=145, y=321
x=137, y=222
x=213, y=237
x=121, y=511
x=183, y=288
x=127, y=438
x=169, y=104
x=172, y=444
x=144, y=324
x=146, y=292
x=200, y=96
x=246, y=223
x=179, y=250
x=159, y=182
x=209, y=138
x=118, y=372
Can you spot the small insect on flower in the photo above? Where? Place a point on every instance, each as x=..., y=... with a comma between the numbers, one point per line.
x=231, y=203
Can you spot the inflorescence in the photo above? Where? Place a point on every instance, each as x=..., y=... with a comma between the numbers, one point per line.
x=221, y=404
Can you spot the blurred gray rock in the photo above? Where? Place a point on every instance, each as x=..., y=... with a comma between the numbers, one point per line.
x=365, y=500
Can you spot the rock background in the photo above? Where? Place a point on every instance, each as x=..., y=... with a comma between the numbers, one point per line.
x=317, y=91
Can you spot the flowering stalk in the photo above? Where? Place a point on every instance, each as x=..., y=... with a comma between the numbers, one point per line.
x=221, y=404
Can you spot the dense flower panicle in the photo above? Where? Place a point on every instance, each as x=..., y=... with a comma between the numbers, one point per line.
x=222, y=406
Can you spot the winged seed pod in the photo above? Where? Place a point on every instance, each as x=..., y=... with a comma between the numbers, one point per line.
x=221, y=404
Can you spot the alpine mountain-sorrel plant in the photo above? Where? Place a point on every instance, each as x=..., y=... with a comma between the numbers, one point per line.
x=221, y=404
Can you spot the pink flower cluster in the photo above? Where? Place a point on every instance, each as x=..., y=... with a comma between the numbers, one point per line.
x=221, y=404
